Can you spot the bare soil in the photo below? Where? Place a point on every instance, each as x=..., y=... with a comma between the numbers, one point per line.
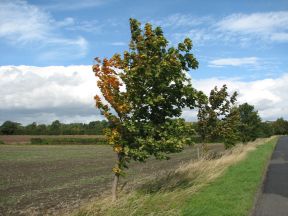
x=52, y=180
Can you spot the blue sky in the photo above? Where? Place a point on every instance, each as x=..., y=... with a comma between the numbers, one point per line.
x=239, y=42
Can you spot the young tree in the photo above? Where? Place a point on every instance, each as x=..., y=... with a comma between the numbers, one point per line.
x=145, y=91
x=250, y=127
x=218, y=118
x=229, y=127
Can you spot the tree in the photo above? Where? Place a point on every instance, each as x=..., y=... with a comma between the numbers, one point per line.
x=55, y=127
x=42, y=129
x=280, y=126
x=9, y=127
x=146, y=90
x=229, y=127
x=266, y=129
x=96, y=127
x=250, y=127
x=218, y=118
x=31, y=128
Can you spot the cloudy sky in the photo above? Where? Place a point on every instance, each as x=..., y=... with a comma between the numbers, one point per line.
x=47, y=49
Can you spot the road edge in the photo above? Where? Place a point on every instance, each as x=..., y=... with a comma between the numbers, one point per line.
x=261, y=185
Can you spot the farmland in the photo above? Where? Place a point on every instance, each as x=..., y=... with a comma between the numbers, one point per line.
x=26, y=139
x=53, y=179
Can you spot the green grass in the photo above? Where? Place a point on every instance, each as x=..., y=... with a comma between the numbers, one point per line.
x=233, y=193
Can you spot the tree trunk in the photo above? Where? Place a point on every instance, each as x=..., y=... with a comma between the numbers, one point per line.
x=116, y=179
x=114, y=187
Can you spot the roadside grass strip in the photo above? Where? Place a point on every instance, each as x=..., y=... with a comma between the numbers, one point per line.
x=207, y=186
x=234, y=192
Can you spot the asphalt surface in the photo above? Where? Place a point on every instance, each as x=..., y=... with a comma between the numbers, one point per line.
x=273, y=200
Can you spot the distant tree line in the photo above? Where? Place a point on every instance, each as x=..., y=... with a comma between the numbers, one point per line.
x=55, y=128
x=251, y=127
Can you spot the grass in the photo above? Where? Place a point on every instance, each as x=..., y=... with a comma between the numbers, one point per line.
x=223, y=186
x=234, y=192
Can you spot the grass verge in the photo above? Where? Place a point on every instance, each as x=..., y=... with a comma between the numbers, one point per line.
x=234, y=192
x=223, y=186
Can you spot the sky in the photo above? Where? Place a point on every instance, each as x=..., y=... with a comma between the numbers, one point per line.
x=47, y=50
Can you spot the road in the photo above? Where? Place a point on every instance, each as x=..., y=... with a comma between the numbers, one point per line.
x=273, y=200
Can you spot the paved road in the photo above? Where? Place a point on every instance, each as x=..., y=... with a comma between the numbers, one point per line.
x=273, y=200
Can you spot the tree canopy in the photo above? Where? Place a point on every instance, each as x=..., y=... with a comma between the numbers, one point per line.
x=280, y=127
x=145, y=90
x=250, y=127
x=218, y=118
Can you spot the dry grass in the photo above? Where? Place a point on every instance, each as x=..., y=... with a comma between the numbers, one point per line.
x=165, y=193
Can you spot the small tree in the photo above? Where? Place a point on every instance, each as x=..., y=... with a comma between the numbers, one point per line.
x=218, y=118
x=250, y=127
x=229, y=127
x=145, y=91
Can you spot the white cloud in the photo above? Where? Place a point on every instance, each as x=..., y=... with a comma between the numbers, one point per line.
x=25, y=24
x=181, y=20
x=71, y=24
x=68, y=49
x=73, y=4
x=234, y=62
x=279, y=37
x=22, y=22
x=68, y=21
x=244, y=29
x=39, y=93
x=118, y=43
x=270, y=25
x=43, y=94
x=186, y=25
x=198, y=36
x=31, y=87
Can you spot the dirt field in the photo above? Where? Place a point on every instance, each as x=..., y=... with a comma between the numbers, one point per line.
x=50, y=180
